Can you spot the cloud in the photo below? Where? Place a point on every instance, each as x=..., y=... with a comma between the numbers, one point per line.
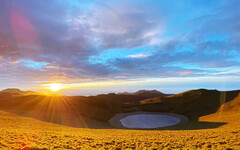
x=184, y=40
x=140, y=55
x=111, y=26
x=67, y=36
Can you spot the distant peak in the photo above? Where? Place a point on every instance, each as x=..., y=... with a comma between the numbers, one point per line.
x=12, y=90
x=150, y=91
x=17, y=91
x=146, y=93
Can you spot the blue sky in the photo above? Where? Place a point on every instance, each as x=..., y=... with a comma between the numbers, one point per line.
x=97, y=46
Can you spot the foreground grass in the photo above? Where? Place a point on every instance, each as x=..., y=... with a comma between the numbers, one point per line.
x=18, y=132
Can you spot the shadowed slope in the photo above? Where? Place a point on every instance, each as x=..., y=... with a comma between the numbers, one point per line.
x=77, y=111
x=71, y=111
x=193, y=104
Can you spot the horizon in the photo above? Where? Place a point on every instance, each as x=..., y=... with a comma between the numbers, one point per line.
x=114, y=92
x=95, y=47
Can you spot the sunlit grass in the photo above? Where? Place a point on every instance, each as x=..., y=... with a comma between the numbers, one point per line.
x=26, y=133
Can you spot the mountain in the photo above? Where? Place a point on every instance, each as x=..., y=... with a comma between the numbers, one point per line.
x=145, y=93
x=125, y=93
x=13, y=91
x=17, y=91
x=149, y=93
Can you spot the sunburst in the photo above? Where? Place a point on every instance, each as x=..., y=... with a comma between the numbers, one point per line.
x=54, y=86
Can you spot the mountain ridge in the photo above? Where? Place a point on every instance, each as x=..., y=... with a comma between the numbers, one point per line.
x=147, y=93
x=17, y=91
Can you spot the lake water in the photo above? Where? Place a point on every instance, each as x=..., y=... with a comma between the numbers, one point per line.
x=148, y=121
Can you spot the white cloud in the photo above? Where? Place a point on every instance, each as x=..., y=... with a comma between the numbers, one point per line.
x=140, y=55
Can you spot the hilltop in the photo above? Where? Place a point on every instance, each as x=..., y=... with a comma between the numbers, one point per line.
x=17, y=91
x=146, y=93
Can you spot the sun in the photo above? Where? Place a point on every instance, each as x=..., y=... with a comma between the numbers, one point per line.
x=54, y=86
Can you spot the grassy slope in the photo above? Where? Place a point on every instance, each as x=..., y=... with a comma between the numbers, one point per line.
x=26, y=133
x=52, y=108
x=193, y=104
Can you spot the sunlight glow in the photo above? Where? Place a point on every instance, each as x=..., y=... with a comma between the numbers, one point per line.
x=54, y=86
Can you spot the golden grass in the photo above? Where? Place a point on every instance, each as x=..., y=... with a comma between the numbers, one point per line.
x=18, y=132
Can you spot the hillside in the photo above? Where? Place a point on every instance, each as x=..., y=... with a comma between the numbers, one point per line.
x=56, y=109
x=25, y=133
x=115, y=102
x=194, y=103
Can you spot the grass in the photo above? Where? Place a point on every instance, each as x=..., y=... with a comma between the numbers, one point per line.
x=19, y=132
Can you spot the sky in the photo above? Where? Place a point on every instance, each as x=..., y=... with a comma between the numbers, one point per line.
x=102, y=46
